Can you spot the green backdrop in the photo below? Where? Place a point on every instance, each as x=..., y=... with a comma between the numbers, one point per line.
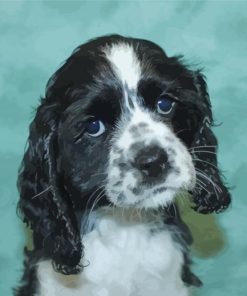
x=35, y=37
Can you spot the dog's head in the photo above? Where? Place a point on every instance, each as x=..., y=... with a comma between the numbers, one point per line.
x=123, y=123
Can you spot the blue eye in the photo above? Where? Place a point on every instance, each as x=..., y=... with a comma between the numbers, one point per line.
x=165, y=105
x=95, y=128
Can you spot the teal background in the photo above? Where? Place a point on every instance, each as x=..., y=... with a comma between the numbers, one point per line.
x=35, y=37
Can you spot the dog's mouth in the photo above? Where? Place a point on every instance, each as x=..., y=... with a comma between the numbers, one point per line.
x=140, y=194
x=144, y=196
x=150, y=185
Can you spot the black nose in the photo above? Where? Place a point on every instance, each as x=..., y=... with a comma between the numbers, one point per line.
x=152, y=162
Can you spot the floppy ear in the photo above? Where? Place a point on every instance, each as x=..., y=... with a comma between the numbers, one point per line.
x=210, y=195
x=43, y=203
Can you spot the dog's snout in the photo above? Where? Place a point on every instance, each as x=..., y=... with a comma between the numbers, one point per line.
x=151, y=161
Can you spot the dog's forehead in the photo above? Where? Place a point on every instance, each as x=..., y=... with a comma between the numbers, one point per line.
x=125, y=64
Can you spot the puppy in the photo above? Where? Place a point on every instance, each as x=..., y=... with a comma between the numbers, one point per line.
x=122, y=130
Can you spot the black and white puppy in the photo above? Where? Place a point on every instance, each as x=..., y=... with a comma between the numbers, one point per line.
x=123, y=129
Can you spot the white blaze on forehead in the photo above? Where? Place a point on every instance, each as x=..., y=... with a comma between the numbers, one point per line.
x=125, y=63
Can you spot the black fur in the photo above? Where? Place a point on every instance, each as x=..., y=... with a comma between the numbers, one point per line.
x=55, y=176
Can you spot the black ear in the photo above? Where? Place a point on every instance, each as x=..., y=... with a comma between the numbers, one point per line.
x=210, y=195
x=43, y=203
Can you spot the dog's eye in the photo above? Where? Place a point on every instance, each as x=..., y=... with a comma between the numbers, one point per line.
x=165, y=104
x=95, y=128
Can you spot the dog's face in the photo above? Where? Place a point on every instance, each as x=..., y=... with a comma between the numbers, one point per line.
x=130, y=115
x=121, y=123
x=122, y=134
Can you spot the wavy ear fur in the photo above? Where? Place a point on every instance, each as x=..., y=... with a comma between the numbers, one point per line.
x=43, y=203
x=211, y=195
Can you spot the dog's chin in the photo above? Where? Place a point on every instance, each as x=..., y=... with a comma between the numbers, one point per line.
x=149, y=199
x=134, y=192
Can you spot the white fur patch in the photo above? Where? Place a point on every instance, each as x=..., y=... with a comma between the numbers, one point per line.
x=129, y=254
x=125, y=63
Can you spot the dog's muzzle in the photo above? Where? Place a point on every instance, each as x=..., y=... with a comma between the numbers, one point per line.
x=152, y=163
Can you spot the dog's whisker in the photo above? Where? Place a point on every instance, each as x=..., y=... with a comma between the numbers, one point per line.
x=204, y=161
x=175, y=211
x=201, y=173
x=169, y=206
x=183, y=198
x=198, y=180
x=98, y=174
x=182, y=130
x=91, y=196
x=203, y=151
x=97, y=199
x=204, y=146
x=201, y=185
x=215, y=186
x=42, y=192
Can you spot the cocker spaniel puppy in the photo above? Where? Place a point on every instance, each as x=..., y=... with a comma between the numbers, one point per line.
x=121, y=131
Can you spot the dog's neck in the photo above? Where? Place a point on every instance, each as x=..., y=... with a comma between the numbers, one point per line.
x=123, y=215
x=123, y=248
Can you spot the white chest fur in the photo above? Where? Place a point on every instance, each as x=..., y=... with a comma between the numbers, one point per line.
x=126, y=254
